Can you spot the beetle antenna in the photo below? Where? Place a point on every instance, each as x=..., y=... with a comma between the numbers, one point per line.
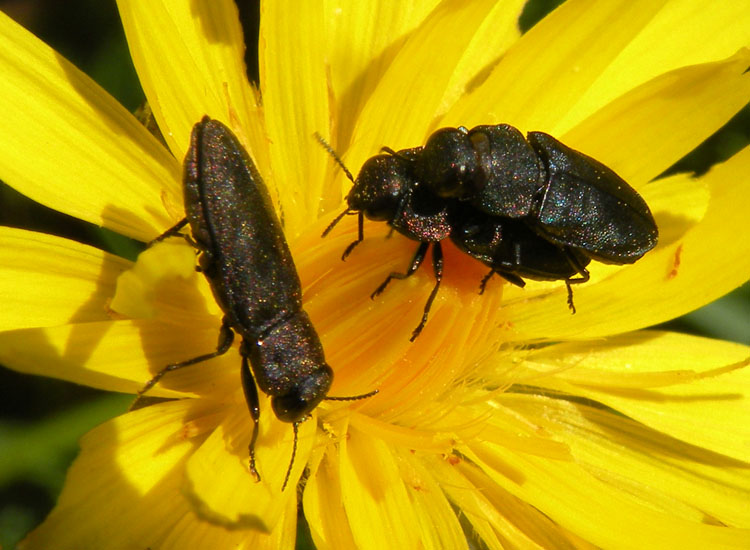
x=335, y=156
x=294, y=453
x=352, y=397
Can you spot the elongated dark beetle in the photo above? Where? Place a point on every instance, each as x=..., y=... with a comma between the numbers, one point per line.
x=247, y=262
x=526, y=207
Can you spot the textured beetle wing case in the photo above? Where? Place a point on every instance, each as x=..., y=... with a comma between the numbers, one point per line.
x=231, y=215
x=511, y=172
x=588, y=206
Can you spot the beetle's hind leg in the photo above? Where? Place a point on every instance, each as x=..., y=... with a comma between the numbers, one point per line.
x=584, y=276
x=226, y=337
x=419, y=256
x=415, y=263
x=253, y=405
x=359, y=239
x=507, y=275
x=173, y=231
x=437, y=266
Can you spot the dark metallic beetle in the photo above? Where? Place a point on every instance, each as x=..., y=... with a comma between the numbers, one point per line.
x=247, y=262
x=531, y=208
x=568, y=198
x=386, y=190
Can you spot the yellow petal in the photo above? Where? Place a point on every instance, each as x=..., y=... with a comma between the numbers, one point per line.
x=495, y=514
x=324, y=509
x=70, y=146
x=497, y=32
x=592, y=509
x=121, y=356
x=633, y=372
x=295, y=98
x=375, y=499
x=218, y=476
x=190, y=60
x=677, y=477
x=128, y=467
x=546, y=71
x=163, y=284
x=644, y=132
x=683, y=33
x=188, y=533
x=402, y=108
x=48, y=280
x=361, y=40
x=437, y=525
x=484, y=519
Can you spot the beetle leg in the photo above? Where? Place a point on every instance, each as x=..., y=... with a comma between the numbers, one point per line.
x=251, y=397
x=437, y=267
x=360, y=236
x=584, y=276
x=171, y=232
x=295, y=425
x=226, y=337
x=507, y=275
x=485, y=280
x=415, y=263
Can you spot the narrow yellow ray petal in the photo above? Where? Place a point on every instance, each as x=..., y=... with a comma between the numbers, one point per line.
x=402, y=108
x=712, y=411
x=193, y=531
x=324, y=510
x=72, y=147
x=684, y=479
x=495, y=514
x=190, y=60
x=127, y=468
x=496, y=33
x=374, y=496
x=284, y=534
x=295, y=98
x=162, y=282
x=218, y=476
x=361, y=40
x=644, y=132
x=437, y=524
x=578, y=501
x=683, y=33
x=546, y=71
x=48, y=280
x=121, y=356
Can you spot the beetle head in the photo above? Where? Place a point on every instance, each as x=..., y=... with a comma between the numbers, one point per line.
x=380, y=186
x=296, y=404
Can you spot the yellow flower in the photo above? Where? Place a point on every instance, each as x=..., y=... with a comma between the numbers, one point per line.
x=508, y=420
